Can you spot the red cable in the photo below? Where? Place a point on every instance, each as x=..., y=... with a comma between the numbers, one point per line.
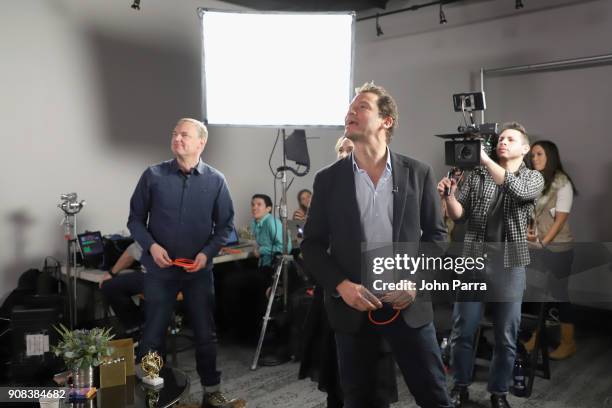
x=371, y=318
x=184, y=262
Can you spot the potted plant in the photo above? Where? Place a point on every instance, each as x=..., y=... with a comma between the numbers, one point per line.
x=82, y=350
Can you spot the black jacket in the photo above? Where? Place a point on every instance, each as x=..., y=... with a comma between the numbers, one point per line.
x=333, y=233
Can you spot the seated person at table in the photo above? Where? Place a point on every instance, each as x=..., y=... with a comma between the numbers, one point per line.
x=303, y=198
x=267, y=229
x=119, y=289
x=245, y=300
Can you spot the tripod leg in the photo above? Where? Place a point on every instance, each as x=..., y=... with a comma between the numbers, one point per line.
x=266, y=317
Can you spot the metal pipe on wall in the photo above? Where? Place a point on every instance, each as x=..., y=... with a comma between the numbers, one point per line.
x=544, y=66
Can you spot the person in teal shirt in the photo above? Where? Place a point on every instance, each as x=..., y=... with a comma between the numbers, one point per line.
x=244, y=301
x=268, y=232
x=267, y=229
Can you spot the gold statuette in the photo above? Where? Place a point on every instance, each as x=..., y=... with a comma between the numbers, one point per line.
x=152, y=364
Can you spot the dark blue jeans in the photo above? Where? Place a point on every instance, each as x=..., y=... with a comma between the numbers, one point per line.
x=506, y=286
x=416, y=352
x=199, y=301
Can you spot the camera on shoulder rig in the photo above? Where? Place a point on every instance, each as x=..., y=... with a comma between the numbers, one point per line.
x=462, y=149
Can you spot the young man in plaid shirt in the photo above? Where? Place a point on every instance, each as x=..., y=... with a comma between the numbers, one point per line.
x=496, y=201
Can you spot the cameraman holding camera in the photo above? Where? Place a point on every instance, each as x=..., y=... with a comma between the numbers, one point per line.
x=496, y=201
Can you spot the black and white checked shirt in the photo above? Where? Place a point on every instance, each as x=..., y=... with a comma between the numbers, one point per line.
x=520, y=192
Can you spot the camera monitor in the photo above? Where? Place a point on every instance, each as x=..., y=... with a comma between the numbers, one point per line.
x=469, y=102
x=92, y=248
x=276, y=69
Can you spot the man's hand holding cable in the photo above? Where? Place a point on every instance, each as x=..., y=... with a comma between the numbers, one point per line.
x=399, y=299
x=358, y=296
x=198, y=263
x=160, y=256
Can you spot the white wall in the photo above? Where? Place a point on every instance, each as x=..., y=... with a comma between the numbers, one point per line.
x=90, y=94
x=91, y=90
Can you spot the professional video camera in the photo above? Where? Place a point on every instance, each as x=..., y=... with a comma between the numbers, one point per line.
x=462, y=149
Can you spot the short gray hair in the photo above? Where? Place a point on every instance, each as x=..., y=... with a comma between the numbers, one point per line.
x=201, y=127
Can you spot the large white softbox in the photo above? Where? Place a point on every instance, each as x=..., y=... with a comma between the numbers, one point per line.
x=276, y=69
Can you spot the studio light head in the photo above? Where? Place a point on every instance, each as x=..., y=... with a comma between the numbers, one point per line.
x=70, y=197
x=69, y=204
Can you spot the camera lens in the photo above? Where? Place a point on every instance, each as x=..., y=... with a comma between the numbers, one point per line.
x=465, y=153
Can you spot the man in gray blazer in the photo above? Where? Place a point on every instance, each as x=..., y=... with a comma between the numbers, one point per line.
x=375, y=195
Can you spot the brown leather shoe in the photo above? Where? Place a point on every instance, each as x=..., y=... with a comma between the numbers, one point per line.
x=218, y=400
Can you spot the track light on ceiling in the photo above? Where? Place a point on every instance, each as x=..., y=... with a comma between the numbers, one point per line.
x=518, y=4
x=379, y=30
x=442, y=15
x=136, y=5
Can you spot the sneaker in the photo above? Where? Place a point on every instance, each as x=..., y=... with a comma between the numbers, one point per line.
x=218, y=400
x=459, y=396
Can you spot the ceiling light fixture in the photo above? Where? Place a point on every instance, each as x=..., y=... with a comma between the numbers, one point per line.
x=442, y=15
x=379, y=30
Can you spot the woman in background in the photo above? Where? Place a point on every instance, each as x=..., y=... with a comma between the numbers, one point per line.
x=552, y=238
x=303, y=198
x=344, y=147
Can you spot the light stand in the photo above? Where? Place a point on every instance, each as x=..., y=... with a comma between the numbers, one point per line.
x=297, y=141
x=71, y=208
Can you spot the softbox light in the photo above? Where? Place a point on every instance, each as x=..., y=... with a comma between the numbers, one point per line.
x=276, y=69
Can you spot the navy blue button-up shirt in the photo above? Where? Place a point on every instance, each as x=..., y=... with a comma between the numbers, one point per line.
x=184, y=213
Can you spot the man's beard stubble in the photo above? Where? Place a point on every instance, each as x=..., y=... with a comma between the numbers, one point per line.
x=354, y=137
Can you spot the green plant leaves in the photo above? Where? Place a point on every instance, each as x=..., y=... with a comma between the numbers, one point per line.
x=83, y=348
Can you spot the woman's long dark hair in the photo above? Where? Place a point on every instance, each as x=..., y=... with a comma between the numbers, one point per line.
x=553, y=164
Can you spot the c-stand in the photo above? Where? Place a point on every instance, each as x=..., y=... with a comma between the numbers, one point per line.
x=71, y=208
x=295, y=149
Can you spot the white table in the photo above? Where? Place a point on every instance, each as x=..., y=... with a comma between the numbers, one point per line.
x=95, y=275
